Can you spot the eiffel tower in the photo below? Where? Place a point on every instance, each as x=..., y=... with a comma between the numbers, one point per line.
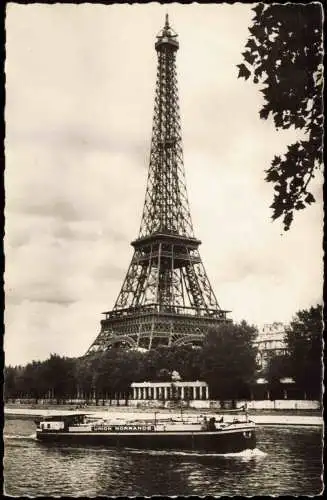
x=166, y=297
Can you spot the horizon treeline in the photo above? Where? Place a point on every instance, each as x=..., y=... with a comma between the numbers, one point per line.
x=226, y=361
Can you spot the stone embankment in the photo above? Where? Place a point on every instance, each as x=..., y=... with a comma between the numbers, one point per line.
x=273, y=418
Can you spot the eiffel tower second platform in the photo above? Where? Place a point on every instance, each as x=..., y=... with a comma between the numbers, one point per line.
x=166, y=297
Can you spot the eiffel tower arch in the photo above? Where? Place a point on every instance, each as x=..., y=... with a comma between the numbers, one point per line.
x=166, y=297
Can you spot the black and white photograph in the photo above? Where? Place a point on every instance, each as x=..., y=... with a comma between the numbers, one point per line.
x=163, y=241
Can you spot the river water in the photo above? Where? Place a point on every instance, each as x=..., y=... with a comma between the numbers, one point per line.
x=287, y=461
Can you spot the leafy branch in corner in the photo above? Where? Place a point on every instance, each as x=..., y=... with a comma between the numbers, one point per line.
x=284, y=54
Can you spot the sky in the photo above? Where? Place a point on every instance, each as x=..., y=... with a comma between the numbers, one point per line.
x=80, y=83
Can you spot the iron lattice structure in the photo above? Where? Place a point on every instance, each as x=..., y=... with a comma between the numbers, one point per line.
x=166, y=297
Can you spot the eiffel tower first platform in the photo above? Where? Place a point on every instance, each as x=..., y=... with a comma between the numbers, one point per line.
x=166, y=297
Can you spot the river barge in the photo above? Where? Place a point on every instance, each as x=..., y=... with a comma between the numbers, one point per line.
x=205, y=434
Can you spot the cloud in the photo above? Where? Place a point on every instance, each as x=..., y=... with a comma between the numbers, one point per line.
x=60, y=208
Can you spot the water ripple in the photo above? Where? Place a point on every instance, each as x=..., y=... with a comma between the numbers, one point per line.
x=286, y=462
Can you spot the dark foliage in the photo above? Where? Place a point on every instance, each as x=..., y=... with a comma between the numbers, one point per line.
x=304, y=344
x=284, y=55
x=226, y=362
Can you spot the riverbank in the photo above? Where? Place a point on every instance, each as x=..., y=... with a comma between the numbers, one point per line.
x=260, y=417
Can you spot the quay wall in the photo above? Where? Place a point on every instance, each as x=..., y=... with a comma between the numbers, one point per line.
x=281, y=404
x=278, y=404
x=272, y=418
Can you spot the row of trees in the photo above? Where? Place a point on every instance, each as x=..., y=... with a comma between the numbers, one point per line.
x=226, y=361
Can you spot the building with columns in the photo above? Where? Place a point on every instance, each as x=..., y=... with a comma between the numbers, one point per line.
x=165, y=391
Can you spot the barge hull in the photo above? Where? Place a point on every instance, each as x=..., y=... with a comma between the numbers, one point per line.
x=219, y=442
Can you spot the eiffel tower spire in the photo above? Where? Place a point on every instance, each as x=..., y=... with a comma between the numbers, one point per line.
x=166, y=297
x=166, y=205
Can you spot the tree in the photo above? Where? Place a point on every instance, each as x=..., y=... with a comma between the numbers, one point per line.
x=34, y=380
x=284, y=53
x=99, y=371
x=163, y=360
x=278, y=367
x=112, y=372
x=26, y=381
x=156, y=360
x=59, y=375
x=228, y=360
x=38, y=377
x=20, y=389
x=10, y=382
x=84, y=374
x=128, y=368
x=187, y=362
x=304, y=344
